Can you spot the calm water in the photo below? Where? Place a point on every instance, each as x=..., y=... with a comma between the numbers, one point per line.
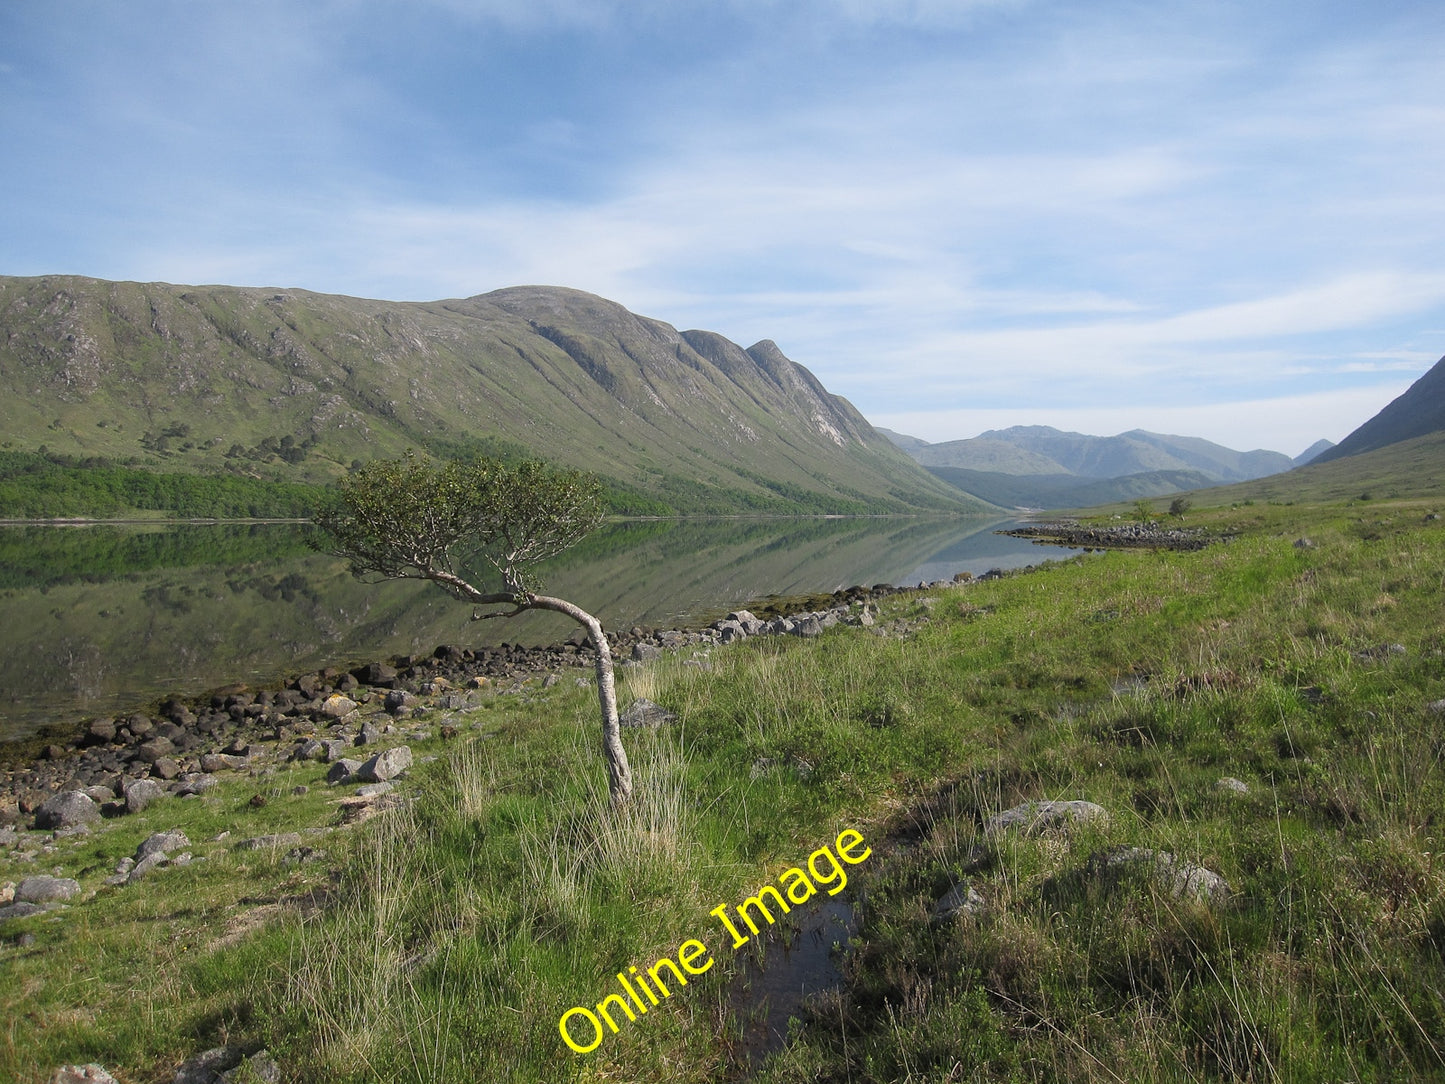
x=101, y=619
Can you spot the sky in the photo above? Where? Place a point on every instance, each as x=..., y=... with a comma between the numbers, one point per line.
x=1203, y=217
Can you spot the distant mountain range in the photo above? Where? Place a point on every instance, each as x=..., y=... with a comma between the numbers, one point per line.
x=292, y=385
x=1399, y=453
x=1037, y=466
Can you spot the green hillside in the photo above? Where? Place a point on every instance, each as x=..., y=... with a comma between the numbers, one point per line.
x=292, y=386
x=1410, y=469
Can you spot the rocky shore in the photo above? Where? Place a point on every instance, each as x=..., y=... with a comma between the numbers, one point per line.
x=1116, y=536
x=115, y=764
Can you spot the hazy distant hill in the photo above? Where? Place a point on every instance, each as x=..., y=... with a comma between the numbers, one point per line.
x=1313, y=452
x=295, y=385
x=1037, y=466
x=1420, y=411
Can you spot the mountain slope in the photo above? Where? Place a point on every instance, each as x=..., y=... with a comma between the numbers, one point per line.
x=1042, y=449
x=1066, y=490
x=1037, y=466
x=297, y=385
x=1419, y=411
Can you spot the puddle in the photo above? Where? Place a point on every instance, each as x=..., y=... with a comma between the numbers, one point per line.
x=798, y=961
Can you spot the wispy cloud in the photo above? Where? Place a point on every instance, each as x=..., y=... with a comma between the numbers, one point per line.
x=942, y=204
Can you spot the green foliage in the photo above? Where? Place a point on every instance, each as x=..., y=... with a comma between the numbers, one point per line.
x=406, y=519
x=48, y=486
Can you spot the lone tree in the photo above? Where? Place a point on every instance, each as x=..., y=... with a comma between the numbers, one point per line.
x=403, y=519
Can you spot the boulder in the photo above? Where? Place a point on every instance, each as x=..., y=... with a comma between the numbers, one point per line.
x=337, y=706
x=1232, y=785
x=642, y=712
x=343, y=771
x=222, y=762
x=140, y=793
x=82, y=1074
x=1177, y=877
x=387, y=765
x=45, y=889
x=284, y=840
x=376, y=674
x=646, y=652
x=961, y=899
x=399, y=699
x=65, y=810
x=163, y=843
x=148, y=752
x=1033, y=817
x=100, y=732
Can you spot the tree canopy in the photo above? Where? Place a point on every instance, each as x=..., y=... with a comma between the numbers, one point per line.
x=406, y=519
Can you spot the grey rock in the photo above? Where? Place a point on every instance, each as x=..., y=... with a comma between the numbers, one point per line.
x=1033, y=817
x=370, y=734
x=145, y=865
x=337, y=706
x=151, y=751
x=196, y=784
x=208, y=1067
x=1180, y=879
x=642, y=712
x=311, y=749
x=1233, y=785
x=163, y=843
x=399, y=699
x=336, y=749
x=375, y=790
x=8, y=837
x=140, y=793
x=1436, y=707
x=223, y=762
x=807, y=625
x=961, y=899
x=19, y=910
x=71, y=832
x=276, y=842
x=82, y=1074
x=1304, y=544
x=166, y=768
x=99, y=794
x=45, y=889
x=646, y=652
x=66, y=809
x=259, y=1068
x=387, y=765
x=343, y=771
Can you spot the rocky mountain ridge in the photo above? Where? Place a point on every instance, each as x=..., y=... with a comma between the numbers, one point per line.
x=295, y=385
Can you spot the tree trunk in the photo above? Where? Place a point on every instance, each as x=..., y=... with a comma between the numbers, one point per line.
x=619, y=772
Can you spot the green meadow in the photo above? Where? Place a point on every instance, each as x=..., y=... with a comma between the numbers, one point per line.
x=443, y=939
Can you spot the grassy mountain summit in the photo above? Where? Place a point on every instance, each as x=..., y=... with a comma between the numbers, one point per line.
x=296, y=386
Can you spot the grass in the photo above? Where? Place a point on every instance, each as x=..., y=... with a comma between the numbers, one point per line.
x=452, y=934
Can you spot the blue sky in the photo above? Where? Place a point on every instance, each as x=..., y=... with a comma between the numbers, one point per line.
x=1209, y=218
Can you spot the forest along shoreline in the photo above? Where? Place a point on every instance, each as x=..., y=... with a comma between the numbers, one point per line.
x=184, y=740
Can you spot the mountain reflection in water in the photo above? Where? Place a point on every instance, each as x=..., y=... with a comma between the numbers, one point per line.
x=102, y=618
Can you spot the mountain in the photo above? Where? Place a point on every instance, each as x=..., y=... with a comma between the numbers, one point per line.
x=1411, y=469
x=1037, y=466
x=1310, y=454
x=1042, y=449
x=1067, y=490
x=1420, y=411
x=294, y=385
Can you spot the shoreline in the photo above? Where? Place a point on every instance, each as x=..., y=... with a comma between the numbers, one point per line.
x=174, y=741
